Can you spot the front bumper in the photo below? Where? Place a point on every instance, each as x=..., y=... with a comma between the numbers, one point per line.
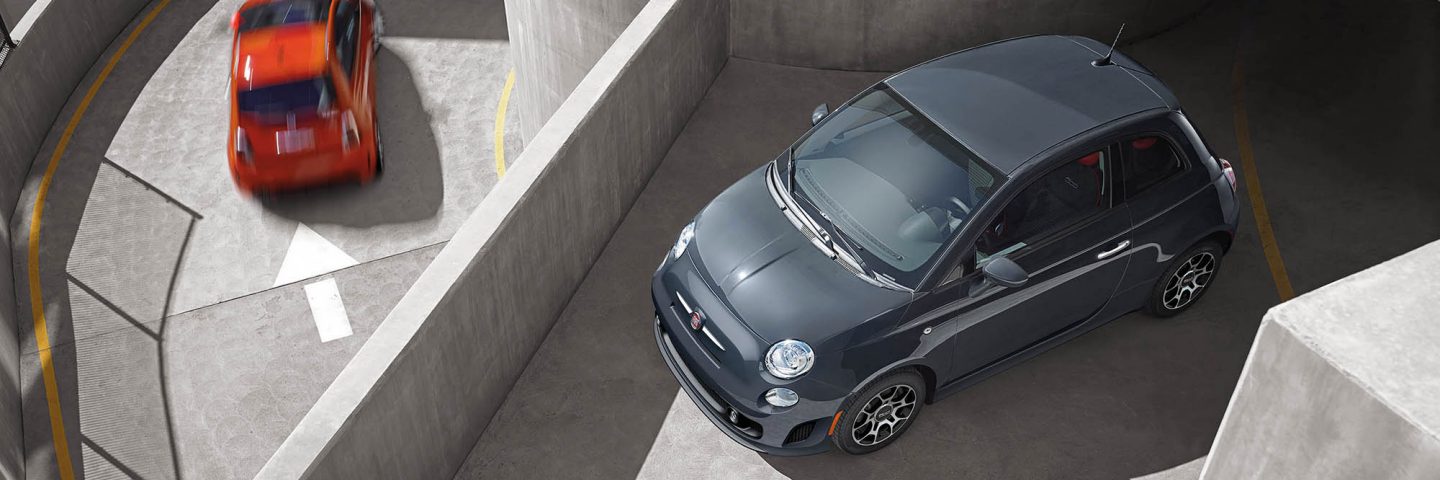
x=773, y=430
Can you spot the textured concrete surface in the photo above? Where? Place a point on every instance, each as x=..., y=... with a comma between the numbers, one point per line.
x=555, y=42
x=12, y=10
x=1338, y=388
x=417, y=396
x=598, y=380
x=437, y=99
x=60, y=46
x=209, y=393
x=888, y=36
x=1137, y=397
x=142, y=225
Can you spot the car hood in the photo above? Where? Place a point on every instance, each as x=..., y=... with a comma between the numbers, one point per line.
x=771, y=276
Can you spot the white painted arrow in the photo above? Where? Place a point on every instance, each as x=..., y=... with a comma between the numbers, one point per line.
x=310, y=255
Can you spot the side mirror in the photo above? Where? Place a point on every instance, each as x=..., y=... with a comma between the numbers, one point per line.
x=821, y=111
x=1004, y=272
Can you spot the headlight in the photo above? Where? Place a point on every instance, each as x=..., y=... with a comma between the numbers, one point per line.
x=788, y=359
x=686, y=235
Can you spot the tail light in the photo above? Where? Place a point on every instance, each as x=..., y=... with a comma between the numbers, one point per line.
x=352, y=131
x=242, y=147
x=1229, y=173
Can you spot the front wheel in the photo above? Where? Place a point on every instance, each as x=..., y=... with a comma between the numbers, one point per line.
x=1185, y=281
x=881, y=413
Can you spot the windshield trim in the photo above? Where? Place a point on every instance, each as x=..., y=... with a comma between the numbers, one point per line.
x=946, y=250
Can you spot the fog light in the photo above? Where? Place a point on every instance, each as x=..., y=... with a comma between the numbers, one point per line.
x=781, y=397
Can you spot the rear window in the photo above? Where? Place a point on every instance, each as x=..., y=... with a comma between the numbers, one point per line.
x=284, y=12
x=275, y=103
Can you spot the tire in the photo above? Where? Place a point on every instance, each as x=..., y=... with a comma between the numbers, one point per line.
x=880, y=399
x=379, y=150
x=1187, y=279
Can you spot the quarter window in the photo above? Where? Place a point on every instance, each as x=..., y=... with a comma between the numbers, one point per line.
x=346, y=30
x=1062, y=197
x=1149, y=160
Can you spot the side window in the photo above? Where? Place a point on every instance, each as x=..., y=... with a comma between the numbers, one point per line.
x=1054, y=202
x=346, y=34
x=1149, y=160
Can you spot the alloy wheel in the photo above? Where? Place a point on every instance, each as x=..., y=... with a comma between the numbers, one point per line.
x=1188, y=281
x=883, y=415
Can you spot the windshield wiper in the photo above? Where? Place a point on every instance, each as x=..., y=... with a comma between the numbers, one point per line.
x=854, y=251
x=850, y=247
x=790, y=173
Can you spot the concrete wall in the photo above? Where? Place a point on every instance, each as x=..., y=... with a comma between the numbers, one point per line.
x=418, y=395
x=553, y=44
x=56, y=52
x=1342, y=382
x=891, y=35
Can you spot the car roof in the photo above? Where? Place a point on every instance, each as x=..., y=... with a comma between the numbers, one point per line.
x=1011, y=100
x=275, y=55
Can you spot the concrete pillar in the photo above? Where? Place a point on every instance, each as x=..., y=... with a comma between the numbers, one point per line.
x=1342, y=382
x=553, y=44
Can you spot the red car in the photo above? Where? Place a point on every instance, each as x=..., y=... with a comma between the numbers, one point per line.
x=302, y=106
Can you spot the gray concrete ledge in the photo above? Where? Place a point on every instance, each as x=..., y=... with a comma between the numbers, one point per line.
x=887, y=36
x=60, y=42
x=1342, y=382
x=417, y=396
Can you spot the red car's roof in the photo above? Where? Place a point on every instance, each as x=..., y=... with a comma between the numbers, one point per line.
x=281, y=54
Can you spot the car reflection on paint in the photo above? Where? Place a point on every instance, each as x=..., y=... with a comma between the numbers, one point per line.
x=951, y=221
x=302, y=96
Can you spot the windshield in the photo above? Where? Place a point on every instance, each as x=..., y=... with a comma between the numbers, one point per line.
x=896, y=186
x=276, y=103
x=283, y=13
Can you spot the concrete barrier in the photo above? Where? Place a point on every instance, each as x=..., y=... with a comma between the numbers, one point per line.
x=418, y=395
x=888, y=36
x=553, y=44
x=59, y=43
x=1342, y=382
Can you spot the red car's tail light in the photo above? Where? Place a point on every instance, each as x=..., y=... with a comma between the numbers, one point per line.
x=1229, y=172
x=352, y=131
x=242, y=147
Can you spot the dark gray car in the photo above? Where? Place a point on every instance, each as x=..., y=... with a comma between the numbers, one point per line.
x=947, y=223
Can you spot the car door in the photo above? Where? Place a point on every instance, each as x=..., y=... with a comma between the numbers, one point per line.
x=1160, y=183
x=1064, y=228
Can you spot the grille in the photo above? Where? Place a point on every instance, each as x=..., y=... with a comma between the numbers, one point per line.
x=7, y=44
x=800, y=433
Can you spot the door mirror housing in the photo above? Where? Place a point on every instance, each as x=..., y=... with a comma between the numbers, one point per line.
x=821, y=111
x=1005, y=272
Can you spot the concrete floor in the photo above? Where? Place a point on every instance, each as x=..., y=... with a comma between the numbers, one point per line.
x=1341, y=105
x=184, y=340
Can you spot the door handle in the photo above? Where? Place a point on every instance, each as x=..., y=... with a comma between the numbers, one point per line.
x=1111, y=252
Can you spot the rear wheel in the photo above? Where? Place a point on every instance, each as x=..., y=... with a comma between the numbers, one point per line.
x=379, y=150
x=882, y=412
x=1185, y=281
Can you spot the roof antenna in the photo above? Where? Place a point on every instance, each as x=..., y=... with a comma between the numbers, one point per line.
x=1105, y=60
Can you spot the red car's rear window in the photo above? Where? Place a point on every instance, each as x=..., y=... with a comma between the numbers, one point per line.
x=275, y=103
x=284, y=12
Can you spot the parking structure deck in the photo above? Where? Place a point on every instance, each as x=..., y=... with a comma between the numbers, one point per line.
x=191, y=326
x=1138, y=396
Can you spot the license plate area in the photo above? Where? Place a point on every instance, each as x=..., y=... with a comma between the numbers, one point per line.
x=292, y=141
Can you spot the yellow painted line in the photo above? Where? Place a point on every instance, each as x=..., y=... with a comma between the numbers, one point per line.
x=1252, y=186
x=500, y=124
x=37, y=303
